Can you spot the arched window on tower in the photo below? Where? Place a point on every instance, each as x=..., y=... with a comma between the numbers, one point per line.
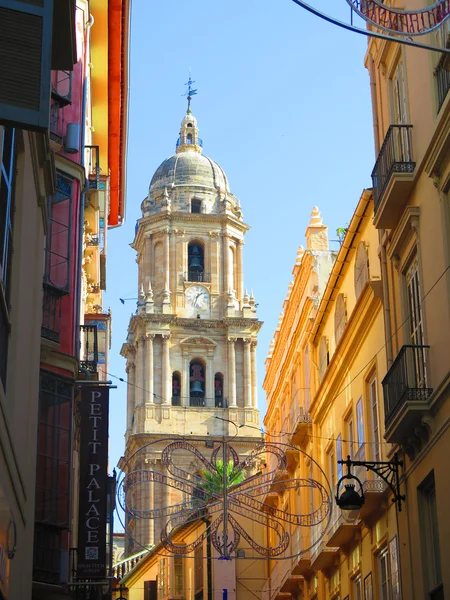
x=196, y=262
x=189, y=138
x=197, y=383
x=176, y=389
x=218, y=391
x=189, y=125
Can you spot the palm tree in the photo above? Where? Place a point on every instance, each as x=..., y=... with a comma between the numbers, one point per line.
x=212, y=482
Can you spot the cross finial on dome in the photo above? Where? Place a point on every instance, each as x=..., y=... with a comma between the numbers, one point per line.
x=189, y=93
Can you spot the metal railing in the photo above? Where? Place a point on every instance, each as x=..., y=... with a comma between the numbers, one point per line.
x=395, y=157
x=442, y=82
x=217, y=402
x=88, y=348
x=406, y=380
x=51, y=313
x=199, y=276
x=199, y=142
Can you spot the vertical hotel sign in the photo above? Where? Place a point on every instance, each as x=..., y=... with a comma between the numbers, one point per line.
x=93, y=482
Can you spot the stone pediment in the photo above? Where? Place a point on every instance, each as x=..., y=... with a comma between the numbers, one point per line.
x=194, y=341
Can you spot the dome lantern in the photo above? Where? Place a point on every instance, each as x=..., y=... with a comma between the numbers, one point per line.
x=189, y=140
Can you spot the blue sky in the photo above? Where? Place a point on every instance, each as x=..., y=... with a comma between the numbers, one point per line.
x=283, y=106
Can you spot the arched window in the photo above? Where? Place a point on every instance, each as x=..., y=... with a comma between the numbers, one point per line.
x=361, y=268
x=340, y=317
x=323, y=357
x=196, y=262
x=189, y=125
x=176, y=389
x=197, y=383
x=218, y=390
x=189, y=138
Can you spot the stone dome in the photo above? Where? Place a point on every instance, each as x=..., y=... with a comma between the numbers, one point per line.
x=189, y=168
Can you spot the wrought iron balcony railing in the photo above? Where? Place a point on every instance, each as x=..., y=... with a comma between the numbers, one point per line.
x=406, y=380
x=198, y=276
x=395, y=157
x=199, y=142
x=88, y=348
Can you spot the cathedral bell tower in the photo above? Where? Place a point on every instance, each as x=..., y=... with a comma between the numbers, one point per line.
x=191, y=345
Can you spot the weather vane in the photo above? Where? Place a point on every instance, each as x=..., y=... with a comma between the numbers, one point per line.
x=189, y=92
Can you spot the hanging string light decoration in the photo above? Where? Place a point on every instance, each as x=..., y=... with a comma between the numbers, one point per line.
x=229, y=494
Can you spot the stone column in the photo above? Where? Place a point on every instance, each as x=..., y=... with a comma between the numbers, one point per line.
x=149, y=260
x=226, y=278
x=185, y=387
x=150, y=384
x=240, y=269
x=231, y=372
x=247, y=373
x=254, y=375
x=210, y=380
x=167, y=260
x=166, y=373
x=138, y=374
x=130, y=393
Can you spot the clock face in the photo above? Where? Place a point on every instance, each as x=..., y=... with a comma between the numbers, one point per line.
x=197, y=298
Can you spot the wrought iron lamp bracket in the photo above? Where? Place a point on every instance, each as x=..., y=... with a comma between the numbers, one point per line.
x=388, y=471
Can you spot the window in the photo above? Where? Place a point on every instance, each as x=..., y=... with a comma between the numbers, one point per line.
x=218, y=391
x=361, y=269
x=150, y=590
x=178, y=575
x=7, y=167
x=429, y=531
x=357, y=589
x=340, y=317
x=189, y=138
x=176, y=389
x=368, y=587
x=323, y=357
x=53, y=477
x=393, y=564
x=360, y=426
x=331, y=468
x=196, y=262
x=375, y=422
x=384, y=575
x=339, y=455
x=198, y=570
x=196, y=206
x=57, y=255
x=197, y=383
x=350, y=434
x=162, y=579
x=414, y=303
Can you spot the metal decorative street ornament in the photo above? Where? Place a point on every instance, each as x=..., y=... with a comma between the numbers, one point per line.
x=228, y=495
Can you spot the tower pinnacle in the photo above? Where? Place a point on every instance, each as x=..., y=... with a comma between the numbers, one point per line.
x=189, y=93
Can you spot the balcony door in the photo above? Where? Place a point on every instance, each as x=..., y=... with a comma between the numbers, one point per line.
x=413, y=292
x=400, y=113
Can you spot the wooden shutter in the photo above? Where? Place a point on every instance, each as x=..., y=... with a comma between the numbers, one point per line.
x=25, y=62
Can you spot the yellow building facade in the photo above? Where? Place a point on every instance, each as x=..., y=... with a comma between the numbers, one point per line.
x=412, y=213
x=330, y=376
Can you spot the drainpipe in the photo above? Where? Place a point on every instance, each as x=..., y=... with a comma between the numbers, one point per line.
x=208, y=561
x=83, y=191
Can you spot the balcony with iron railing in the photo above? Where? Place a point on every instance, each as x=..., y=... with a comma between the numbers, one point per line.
x=88, y=348
x=393, y=176
x=406, y=392
x=199, y=142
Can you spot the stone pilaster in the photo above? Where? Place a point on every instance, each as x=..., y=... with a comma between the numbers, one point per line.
x=166, y=291
x=254, y=375
x=232, y=371
x=166, y=372
x=149, y=364
x=240, y=269
x=130, y=393
x=247, y=373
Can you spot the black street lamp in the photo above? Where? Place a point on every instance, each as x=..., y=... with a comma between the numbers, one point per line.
x=351, y=499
